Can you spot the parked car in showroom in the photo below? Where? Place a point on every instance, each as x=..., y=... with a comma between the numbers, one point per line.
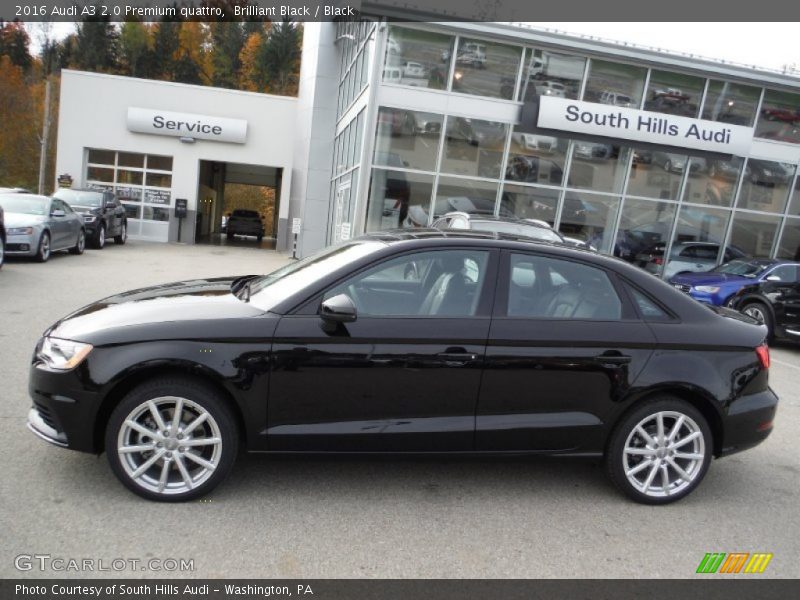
x=244, y=222
x=768, y=173
x=103, y=214
x=773, y=300
x=719, y=285
x=685, y=257
x=511, y=226
x=489, y=345
x=676, y=163
x=37, y=226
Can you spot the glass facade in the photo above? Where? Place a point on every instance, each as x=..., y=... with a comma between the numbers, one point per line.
x=666, y=210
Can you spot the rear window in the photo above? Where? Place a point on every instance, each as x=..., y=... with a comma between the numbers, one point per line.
x=246, y=213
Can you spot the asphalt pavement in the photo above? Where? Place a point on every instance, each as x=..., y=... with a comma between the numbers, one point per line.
x=348, y=517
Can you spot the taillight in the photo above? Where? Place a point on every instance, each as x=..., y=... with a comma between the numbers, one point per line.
x=658, y=261
x=763, y=355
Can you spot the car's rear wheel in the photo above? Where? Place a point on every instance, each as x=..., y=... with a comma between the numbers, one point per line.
x=172, y=440
x=660, y=451
x=760, y=313
x=2, y=251
x=100, y=237
x=80, y=244
x=123, y=234
x=43, y=252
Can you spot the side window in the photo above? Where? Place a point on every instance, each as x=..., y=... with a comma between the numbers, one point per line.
x=549, y=288
x=648, y=307
x=784, y=273
x=438, y=283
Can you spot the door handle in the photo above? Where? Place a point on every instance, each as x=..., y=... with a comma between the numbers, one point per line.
x=457, y=358
x=612, y=359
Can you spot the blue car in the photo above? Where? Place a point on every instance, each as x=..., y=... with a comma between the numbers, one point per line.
x=719, y=284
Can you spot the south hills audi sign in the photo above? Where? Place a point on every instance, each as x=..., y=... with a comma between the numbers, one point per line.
x=187, y=125
x=643, y=126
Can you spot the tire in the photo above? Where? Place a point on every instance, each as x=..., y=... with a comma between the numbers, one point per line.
x=760, y=312
x=43, y=252
x=99, y=241
x=123, y=234
x=80, y=245
x=165, y=459
x=646, y=485
x=2, y=251
x=259, y=238
x=229, y=235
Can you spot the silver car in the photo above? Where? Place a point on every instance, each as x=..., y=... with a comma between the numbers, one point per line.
x=37, y=226
x=685, y=257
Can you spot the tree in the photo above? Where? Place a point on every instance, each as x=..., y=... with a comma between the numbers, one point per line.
x=253, y=75
x=194, y=47
x=19, y=144
x=227, y=42
x=280, y=56
x=134, y=49
x=96, y=45
x=166, y=39
x=14, y=43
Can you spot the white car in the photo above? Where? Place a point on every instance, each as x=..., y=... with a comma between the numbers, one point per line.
x=414, y=69
x=551, y=88
x=617, y=99
x=534, y=141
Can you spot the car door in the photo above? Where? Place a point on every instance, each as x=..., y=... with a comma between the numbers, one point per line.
x=111, y=214
x=60, y=229
x=403, y=376
x=781, y=285
x=564, y=348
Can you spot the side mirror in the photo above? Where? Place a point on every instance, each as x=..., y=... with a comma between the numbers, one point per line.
x=773, y=278
x=339, y=309
x=58, y=213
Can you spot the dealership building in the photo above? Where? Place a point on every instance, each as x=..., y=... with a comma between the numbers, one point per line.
x=650, y=156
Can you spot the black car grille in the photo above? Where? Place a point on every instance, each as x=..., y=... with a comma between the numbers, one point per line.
x=46, y=415
x=683, y=287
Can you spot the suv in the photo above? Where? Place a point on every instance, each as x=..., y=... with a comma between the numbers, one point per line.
x=685, y=257
x=245, y=222
x=617, y=99
x=102, y=213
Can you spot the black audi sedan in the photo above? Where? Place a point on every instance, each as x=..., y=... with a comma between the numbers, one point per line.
x=424, y=342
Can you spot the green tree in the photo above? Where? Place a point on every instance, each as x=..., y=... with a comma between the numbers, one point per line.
x=280, y=55
x=96, y=44
x=134, y=49
x=227, y=42
x=15, y=43
x=166, y=40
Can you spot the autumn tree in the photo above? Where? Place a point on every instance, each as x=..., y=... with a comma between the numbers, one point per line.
x=253, y=75
x=15, y=43
x=19, y=144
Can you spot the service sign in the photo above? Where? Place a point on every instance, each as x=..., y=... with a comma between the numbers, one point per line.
x=643, y=126
x=187, y=125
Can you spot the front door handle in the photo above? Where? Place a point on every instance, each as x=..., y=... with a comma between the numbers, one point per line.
x=612, y=359
x=454, y=359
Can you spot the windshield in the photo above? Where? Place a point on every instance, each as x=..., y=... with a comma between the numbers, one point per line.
x=742, y=267
x=539, y=233
x=25, y=204
x=79, y=198
x=267, y=291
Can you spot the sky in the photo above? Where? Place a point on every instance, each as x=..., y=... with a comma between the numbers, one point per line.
x=766, y=45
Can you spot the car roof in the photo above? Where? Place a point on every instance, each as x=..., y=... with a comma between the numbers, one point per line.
x=26, y=196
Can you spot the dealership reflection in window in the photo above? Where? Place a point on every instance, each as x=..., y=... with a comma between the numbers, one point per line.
x=780, y=117
x=589, y=218
x=657, y=174
x=794, y=203
x=789, y=245
x=674, y=93
x=731, y=103
x=551, y=74
x=644, y=226
x=766, y=185
x=398, y=199
x=599, y=166
x=615, y=84
x=714, y=184
x=417, y=58
x=527, y=202
x=486, y=68
x=754, y=234
x=407, y=138
x=699, y=232
x=475, y=197
x=474, y=147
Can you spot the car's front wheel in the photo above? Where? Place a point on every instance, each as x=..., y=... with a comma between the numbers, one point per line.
x=123, y=234
x=760, y=313
x=171, y=439
x=100, y=237
x=43, y=252
x=660, y=451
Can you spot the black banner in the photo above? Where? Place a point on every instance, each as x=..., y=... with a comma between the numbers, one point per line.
x=709, y=588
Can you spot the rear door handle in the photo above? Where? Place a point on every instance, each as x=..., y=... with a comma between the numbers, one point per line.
x=457, y=358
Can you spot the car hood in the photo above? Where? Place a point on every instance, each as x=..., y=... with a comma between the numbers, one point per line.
x=13, y=219
x=163, y=311
x=95, y=210
x=710, y=278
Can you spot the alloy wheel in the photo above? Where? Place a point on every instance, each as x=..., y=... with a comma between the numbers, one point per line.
x=755, y=311
x=664, y=454
x=44, y=247
x=169, y=445
x=81, y=242
x=101, y=237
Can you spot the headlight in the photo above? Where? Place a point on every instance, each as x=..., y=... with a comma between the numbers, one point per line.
x=63, y=355
x=707, y=289
x=19, y=231
x=89, y=218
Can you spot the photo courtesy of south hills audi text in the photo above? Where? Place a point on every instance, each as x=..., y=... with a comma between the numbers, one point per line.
x=76, y=591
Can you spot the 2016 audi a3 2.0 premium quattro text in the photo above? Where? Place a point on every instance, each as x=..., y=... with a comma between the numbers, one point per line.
x=424, y=342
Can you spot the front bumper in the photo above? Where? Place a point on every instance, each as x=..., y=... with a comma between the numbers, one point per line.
x=749, y=421
x=22, y=245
